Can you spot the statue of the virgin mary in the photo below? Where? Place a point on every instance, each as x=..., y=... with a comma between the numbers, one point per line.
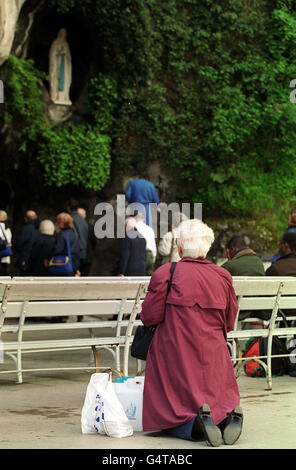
x=60, y=69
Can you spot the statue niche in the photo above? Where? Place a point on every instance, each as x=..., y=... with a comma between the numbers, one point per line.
x=60, y=69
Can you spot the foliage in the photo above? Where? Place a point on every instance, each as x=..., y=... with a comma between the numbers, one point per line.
x=75, y=155
x=102, y=100
x=24, y=105
x=204, y=89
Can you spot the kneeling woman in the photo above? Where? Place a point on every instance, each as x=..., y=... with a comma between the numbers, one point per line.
x=190, y=387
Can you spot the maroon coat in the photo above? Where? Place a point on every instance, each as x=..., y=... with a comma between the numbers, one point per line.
x=188, y=362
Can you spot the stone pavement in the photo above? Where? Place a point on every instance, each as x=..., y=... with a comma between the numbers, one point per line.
x=44, y=413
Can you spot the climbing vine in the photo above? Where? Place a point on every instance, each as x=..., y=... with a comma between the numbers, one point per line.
x=199, y=86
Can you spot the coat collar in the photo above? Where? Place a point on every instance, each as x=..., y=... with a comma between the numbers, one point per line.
x=289, y=255
x=243, y=252
x=195, y=260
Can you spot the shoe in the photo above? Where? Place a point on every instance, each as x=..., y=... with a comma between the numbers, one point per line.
x=205, y=423
x=233, y=426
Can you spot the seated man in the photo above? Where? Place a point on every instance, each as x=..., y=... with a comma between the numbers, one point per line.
x=242, y=261
x=286, y=264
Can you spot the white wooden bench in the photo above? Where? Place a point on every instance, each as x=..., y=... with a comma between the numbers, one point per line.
x=25, y=299
x=106, y=296
x=263, y=293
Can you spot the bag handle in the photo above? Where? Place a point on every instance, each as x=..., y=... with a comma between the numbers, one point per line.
x=3, y=233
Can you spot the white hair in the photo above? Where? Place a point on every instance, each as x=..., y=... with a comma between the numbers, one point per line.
x=194, y=238
x=47, y=227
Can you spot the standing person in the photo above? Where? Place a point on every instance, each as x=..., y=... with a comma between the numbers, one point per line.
x=5, y=232
x=42, y=249
x=132, y=260
x=81, y=227
x=29, y=233
x=190, y=388
x=168, y=247
x=60, y=248
x=65, y=225
x=91, y=245
x=149, y=235
x=142, y=191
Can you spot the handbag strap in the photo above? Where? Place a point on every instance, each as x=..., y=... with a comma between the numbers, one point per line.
x=173, y=267
x=3, y=233
x=68, y=244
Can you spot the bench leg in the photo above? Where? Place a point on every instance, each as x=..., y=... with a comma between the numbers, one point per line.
x=268, y=373
x=19, y=339
x=19, y=367
x=96, y=357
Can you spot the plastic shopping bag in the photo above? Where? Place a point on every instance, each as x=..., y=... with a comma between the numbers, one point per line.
x=102, y=412
x=130, y=393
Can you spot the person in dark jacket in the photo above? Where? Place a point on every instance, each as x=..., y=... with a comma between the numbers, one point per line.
x=286, y=264
x=80, y=226
x=85, y=266
x=29, y=233
x=65, y=223
x=242, y=261
x=42, y=249
x=291, y=228
x=132, y=260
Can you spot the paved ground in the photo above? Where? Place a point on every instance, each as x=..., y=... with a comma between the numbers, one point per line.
x=44, y=413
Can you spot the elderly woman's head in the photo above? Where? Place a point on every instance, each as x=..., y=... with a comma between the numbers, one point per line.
x=47, y=227
x=64, y=220
x=194, y=238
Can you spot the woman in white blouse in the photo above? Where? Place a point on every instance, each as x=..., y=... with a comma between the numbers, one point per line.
x=4, y=230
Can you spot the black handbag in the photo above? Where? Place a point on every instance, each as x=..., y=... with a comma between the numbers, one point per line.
x=144, y=334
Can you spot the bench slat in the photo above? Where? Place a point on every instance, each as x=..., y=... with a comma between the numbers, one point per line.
x=59, y=290
x=48, y=344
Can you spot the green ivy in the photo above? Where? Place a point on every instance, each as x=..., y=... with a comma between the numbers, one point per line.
x=24, y=105
x=76, y=155
x=102, y=100
x=199, y=86
x=71, y=154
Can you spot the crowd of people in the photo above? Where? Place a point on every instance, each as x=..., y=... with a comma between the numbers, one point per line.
x=38, y=242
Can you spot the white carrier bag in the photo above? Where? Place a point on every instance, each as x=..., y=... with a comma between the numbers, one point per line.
x=102, y=412
x=130, y=393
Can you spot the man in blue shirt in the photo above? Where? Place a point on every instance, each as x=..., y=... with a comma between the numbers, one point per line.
x=143, y=192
